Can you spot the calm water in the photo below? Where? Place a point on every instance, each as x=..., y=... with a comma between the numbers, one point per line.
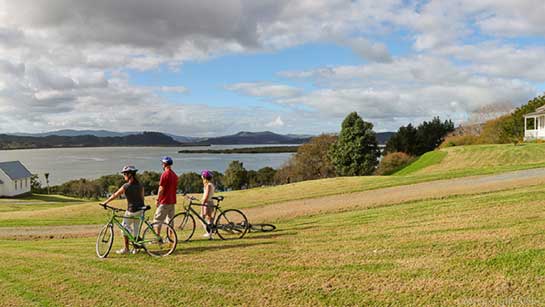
x=64, y=164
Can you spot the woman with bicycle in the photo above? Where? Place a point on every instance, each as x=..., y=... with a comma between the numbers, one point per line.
x=134, y=192
x=207, y=209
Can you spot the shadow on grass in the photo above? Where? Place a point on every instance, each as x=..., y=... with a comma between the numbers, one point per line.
x=182, y=249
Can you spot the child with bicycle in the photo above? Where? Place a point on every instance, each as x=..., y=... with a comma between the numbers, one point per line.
x=207, y=209
x=134, y=192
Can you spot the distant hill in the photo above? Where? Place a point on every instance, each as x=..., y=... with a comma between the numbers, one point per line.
x=99, y=133
x=142, y=139
x=258, y=138
x=383, y=137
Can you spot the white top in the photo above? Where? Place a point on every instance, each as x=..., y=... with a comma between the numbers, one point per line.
x=211, y=189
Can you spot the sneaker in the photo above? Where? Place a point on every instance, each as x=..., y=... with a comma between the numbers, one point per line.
x=134, y=251
x=206, y=235
x=122, y=251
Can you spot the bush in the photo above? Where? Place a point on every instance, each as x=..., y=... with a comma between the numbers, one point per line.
x=393, y=162
x=460, y=140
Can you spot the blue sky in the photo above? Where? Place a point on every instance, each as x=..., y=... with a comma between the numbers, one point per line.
x=218, y=67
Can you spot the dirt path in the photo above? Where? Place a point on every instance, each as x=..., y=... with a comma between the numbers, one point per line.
x=358, y=200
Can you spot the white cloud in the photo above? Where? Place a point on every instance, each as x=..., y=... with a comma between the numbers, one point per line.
x=264, y=89
x=277, y=122
x=63, y=63
x=174, y=89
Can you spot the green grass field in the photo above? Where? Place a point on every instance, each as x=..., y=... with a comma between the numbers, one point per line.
x=479, y=250
x=486, y=249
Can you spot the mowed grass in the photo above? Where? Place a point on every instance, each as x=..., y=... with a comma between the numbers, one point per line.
x=478, y=250
x=478, y=159
x=37, y=202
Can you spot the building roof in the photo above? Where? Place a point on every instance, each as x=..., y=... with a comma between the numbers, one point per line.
x=15, y=170
x=538, y=111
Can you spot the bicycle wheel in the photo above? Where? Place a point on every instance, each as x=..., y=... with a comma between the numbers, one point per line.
x=159, y=245
x=105, y=240
x=184, y=225
x=231, y=224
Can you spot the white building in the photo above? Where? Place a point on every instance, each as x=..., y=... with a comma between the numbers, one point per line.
x=534, y=125
x=14, y=179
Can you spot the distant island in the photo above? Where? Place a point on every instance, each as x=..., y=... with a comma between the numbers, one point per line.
x=56, y=141
x=248, y=150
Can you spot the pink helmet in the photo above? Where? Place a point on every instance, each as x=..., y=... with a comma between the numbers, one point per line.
x=206, y=174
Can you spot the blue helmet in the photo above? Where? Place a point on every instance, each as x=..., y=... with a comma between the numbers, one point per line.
x=167, y=160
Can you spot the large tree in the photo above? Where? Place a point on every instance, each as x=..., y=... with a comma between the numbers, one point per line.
x=356, y=151
x=236, y=176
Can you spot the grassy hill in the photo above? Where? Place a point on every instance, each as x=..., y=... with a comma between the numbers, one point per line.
x=478, y=159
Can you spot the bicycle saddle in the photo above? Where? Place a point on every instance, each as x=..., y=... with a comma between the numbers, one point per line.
x=146, y=208
x=218, y=198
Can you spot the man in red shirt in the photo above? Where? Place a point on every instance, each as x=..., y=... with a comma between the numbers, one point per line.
x=166, y=196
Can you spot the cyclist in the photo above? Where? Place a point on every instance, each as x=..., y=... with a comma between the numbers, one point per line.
x=207, y=209
x=134, y=192
x=166, y=195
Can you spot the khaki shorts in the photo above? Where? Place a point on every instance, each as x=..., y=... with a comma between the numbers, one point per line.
x=164, y=213
x=131, y=221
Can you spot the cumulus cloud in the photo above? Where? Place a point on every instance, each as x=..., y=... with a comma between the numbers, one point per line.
x=63, y=63
x=264, y=89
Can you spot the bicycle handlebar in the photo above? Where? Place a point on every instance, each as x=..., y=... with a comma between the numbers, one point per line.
x=110, y=207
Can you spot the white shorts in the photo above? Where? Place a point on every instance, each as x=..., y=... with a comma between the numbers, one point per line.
x=131, y=221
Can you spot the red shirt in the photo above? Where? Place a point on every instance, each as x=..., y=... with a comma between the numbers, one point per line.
x=169, y=182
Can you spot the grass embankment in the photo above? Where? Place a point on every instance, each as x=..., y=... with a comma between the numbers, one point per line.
x=477, y=160
x=480, y=250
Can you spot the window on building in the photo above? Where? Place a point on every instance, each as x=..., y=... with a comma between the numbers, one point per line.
x=15, y=184
x=26, y=183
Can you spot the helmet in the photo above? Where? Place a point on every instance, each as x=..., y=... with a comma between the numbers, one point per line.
x=167, y=160
x=129, y=169
x=206, y=174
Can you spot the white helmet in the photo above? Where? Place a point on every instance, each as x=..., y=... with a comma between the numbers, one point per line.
x=129, y=169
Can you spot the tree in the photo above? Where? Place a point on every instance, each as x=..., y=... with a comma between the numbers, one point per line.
x=190, y=183
x=150, y=181
x=417, y=141
x=236, y=176
x=356, y=151
x=265, y=176
x=35, y=184
x=404, y=140
x=430, y=135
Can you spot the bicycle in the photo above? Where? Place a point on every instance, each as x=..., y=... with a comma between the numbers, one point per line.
x=155, y=244
x=229, y=224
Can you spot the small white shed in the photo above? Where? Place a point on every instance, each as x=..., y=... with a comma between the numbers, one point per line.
x=14, y=179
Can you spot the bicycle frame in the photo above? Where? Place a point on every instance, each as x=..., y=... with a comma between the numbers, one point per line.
x=188, y=209
x=143, y=221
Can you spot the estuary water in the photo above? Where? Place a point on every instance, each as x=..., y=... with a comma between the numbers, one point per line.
x=65, y=164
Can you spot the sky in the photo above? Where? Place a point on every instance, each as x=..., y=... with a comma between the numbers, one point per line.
x=207, y=68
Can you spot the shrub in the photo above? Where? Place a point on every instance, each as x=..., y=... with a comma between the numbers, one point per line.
x=393, y=162
x=460, y=140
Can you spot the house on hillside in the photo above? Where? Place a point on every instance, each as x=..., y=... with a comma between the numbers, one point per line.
x=14, y=179
x=534, y=125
